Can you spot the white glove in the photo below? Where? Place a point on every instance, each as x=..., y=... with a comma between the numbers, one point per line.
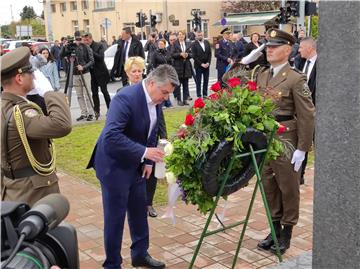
x=253, y=56
x=41, y=83
x=297, y=159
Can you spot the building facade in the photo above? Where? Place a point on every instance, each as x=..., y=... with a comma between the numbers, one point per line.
x=106, y=18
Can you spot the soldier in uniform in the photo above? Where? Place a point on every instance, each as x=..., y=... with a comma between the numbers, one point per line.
x=295, y=110
x=224, y=53
x=27, y=153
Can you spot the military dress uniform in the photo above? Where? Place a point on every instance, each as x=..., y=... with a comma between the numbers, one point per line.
x=224, y=50
x=295, y=110
x=27, y=153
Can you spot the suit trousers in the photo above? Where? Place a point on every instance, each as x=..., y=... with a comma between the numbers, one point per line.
x=83, y=95
x=185, y=87
x=202, y=72
x=124, y=196
x=124, y=77
x=95, y=93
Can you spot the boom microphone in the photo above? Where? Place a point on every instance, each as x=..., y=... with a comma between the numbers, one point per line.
x=45, y=215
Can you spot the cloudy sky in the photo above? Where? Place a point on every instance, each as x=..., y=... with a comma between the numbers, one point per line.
x=17, y=6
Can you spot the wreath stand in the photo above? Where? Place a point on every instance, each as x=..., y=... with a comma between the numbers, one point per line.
x=259, y=184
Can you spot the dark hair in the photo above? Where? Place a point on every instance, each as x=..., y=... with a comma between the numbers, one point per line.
x=51, y=57
x=127, y=30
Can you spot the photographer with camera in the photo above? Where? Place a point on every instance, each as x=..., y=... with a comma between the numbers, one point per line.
x=84, y=61
x=27, y=153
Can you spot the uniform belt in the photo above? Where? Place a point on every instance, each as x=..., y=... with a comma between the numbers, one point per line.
x=283, y=118
x=19, y=173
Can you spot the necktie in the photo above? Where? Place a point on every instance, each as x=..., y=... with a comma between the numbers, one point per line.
x=307, y=67
x=124, y=51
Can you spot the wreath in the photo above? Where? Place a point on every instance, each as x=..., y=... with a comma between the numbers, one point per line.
x=229, y=120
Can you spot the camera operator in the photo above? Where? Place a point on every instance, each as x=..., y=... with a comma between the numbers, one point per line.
x=27, y=152
x=99, y=74
x=84, y=61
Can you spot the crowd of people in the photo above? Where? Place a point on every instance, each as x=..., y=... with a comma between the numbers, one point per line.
x=126, y=149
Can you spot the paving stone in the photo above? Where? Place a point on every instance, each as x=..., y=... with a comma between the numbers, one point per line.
x=175, y=245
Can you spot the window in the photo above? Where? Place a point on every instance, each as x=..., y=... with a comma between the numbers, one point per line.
x=86, y=25
x=75, y=25
x=53, y=8
x=73, y=5
x=62, y=7
x=85, y=4
x=104, y=4
x=204, y=27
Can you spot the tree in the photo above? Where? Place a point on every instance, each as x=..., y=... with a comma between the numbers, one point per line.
x=249, y=6
x=28, y=13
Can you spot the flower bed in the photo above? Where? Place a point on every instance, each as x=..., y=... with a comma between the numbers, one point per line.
x=224, y=116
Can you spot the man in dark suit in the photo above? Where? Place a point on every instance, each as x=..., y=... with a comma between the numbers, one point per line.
x=123, y=158
x=129, y=46
x=99, y=74
x=307, y=65
x=181, y=53
x=201, y=52
x=223, y=53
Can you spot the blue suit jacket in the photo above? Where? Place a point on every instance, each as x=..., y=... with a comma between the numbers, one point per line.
x=122, y=143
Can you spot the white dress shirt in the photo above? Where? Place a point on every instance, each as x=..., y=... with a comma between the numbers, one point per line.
x=202, y=44
x=152, y=113
x=311, y=66
x=127, y=49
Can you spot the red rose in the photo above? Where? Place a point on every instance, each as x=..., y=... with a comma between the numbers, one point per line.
x=216, y=87
x=281, y=129
x=252, y=86
x=189, y=120
x=214, y=97
x=199, y=103
x=233, y=82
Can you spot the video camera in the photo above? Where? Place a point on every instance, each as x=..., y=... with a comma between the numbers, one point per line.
x=70, y=47
x=35, y=238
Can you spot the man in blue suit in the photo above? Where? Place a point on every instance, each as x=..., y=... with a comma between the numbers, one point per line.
x=224, y=51
x=123, y=158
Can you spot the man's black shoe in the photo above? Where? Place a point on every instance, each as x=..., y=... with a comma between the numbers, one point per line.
x=180, y=103
x=82, y=117
x=90, y=118
x=189, y=98
x=284, y=241
x=185, y=103
x=151, y=211
x=268, y=242
x=147, y=262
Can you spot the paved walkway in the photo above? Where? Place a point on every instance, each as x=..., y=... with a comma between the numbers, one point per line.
x=175, y=244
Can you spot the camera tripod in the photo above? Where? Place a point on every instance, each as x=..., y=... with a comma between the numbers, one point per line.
x=69, y=84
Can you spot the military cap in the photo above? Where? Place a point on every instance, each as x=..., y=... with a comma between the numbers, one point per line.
x=278, y=37
x=225, y=31
x=15, y=62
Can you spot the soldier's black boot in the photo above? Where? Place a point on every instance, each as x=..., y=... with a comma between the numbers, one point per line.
x=285, y=238
x=268, y=241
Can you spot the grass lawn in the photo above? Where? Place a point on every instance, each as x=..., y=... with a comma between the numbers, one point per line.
x=74, y=150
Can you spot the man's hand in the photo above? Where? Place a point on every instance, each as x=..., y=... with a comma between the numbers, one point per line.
x=297, y=159
x=154, y=154
x=205, y=65
x=230, y=61
x=80, y=67
x=147, y=171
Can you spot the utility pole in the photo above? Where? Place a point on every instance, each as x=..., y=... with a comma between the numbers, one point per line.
x=301, y=18
x=281, y=26
x=142, y=23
